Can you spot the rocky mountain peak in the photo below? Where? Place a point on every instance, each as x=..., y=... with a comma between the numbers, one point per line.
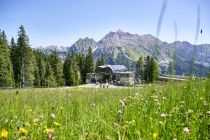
x=120, y=31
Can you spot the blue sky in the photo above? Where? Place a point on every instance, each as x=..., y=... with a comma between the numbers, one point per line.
x=62, y=22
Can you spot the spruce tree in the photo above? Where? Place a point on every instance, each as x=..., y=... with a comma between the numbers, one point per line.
x=57, y=67
x=40, y=69
x=153, y=71
x=6, y=71
x=89, y=62
x=140, y=68
x=100, y=61
x=15, y=60
x=49, y=80
x=25, y=60
x=80, y=59
x=147, y=70
x=5, y=38
x=71, y=70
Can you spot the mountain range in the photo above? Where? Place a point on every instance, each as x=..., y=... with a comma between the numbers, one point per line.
x=125, y=48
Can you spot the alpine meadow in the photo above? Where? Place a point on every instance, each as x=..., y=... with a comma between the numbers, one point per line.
x=151, y=83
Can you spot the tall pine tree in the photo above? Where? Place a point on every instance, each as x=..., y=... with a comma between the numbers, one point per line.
x=140, y=68
x=57, y=67
x=89, y=62
x=49, y=80
x=100, y=61
x=71, y=70
x=40, y=68
x=25, y=60
x=6, y=71
x=153, y=73
x=147, y=69
x=80, y=58
x=15, y=60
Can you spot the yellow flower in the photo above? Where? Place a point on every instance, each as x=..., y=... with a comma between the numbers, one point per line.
x=27, y=124
x=4, y=133
x=29, y=110
x=155, y=135
x=47, y=130
x=23, y=130
x=57, y=124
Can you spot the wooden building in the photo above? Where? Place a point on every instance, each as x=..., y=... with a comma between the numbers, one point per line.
x=113, y=74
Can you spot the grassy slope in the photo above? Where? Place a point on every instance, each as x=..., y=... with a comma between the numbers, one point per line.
x=93, y=113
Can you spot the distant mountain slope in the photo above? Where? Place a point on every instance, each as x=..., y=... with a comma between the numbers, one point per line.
x=125, y=48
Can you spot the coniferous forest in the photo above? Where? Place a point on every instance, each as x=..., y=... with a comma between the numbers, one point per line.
x=22, y=66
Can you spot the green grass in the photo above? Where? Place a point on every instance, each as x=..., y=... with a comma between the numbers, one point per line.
x=151, y=112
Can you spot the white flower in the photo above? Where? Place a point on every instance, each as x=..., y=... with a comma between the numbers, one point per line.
x=53, y=116
x=154, y=97
x=208, y=113
x=36, y=120
x=41, y=116
x=186, y=130
x=119, y=111
x=93, y=105
x=164, y=98
x=190, y=111
x=122, y=103
x=116, y=125
x=163, y=115
x=6, y=121
x=205, y=103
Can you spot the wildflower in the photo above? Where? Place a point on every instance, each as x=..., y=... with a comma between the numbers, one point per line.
x=41, y=116
x=27, y=124
x=163, y=115
x=123, y=104
x=164, y=98
x=155, y=135
x=120, y=118
x=186, y=130
x=156, y=100
x=57, y=124
x=29, y=110
x=190, y=111
x=137, y=94
x=205, y=103
x=93, y=105
x=51, y=133
x=208, y=113
x=6, y=121
x=53, y=116
x=115, y=125
x=154, y=97
x=47, y=130
x=119, y=111
x=175, y=109
x=23, y=130
x=182, y=102
x=4, y=133
x=108, y=138
x=36, y=120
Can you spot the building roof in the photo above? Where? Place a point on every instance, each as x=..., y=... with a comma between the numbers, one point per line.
x=115, y=68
